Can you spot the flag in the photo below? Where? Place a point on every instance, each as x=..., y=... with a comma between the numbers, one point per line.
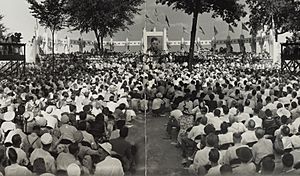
x=149, y=19
x=244, y=27
x=230, y=28
x=184, y=30
x=215, y=30
x=167, y=20
x=156, y=14
x=201, y=30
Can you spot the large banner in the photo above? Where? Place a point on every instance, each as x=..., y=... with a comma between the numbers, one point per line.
x=155, y=45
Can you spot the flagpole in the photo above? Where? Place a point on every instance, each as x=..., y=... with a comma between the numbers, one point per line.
x=228, y=30
x=242, y=29
x=145, y=15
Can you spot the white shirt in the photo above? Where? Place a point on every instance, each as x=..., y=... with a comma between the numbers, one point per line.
x=196, y=131
x=109, y=167
x=216, y=122
x=248, y=137
x=111, y=106
x=225, y=138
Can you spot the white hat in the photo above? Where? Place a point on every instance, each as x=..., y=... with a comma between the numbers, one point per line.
x=9, y=116
x=46, y=139
x=107, y=147
x=283, y=111
x=28, y=116
x=73, y=170
x=49, y=109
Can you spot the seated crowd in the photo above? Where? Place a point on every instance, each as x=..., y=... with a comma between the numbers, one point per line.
x=235, y=120
x=72, y=121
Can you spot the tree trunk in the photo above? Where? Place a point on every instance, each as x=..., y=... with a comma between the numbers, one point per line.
x=98, y=40
x=53, y=58
x=102, y=45
x=192, y=41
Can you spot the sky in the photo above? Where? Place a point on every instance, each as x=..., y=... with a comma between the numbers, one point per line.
x=17, y=18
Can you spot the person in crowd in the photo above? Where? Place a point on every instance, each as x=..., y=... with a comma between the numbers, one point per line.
x=122, y=147
x=14, y=169
x=109, y=166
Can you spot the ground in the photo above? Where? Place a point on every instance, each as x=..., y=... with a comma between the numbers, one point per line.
x=162, y=157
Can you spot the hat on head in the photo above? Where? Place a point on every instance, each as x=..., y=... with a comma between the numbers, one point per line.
x=78, y=136
x=28, y=116
x=244, y=154
x=64, y=119
x=41, y=121
x=73, y=170
x=9, y=116
x=159, y=95
x=107, y=147
x=49, y=109
x=46, y=139
x=283, y=111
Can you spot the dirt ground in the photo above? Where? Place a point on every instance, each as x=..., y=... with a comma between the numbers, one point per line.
x=162, y=157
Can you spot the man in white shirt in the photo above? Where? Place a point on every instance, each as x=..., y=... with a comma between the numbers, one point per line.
x=249, y=136
x=14, y=168
x=109, y=166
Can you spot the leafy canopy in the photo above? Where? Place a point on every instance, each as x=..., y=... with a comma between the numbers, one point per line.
x=50, y=13
x=283, y=15
x=105, y=17
x=228, y=10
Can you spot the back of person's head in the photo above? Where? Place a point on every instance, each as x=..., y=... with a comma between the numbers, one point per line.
x=268, y=113
x=122, y=106
x=251, y=124
x=224, y=127
x=16, y=140
x=279, y=105
x=82, y=126
x=294, y=105
x=120, y=124
x=124, y=132
x=226, y=170
x=284, y=119
x=225, y=110
x=209, y=129
x=111, y=98
x=73, y=148
x=237, y=138
x=247, y=102
x=39, y=166
x=212, y=140
x=287, y=160
x=12, y=155
x=285, y=130
x=259, y=132
x=203, y=120
x=267, y=166
x=217, y=112
x=214, y=155
x=211, y=96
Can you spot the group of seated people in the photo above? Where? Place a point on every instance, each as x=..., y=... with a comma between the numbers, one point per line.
x=228, y=119
x=72, y=121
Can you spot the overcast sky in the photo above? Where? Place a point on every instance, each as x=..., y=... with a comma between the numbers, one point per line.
x=17, y=18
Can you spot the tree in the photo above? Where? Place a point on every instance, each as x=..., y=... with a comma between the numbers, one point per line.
x=103, y=17
x=281, y=15
x=2, y=27
x=51, y=14
x=228, y=10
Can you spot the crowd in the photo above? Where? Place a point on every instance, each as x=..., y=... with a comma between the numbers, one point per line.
x=71, y=120
x=229, y=117
x=232, y=118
